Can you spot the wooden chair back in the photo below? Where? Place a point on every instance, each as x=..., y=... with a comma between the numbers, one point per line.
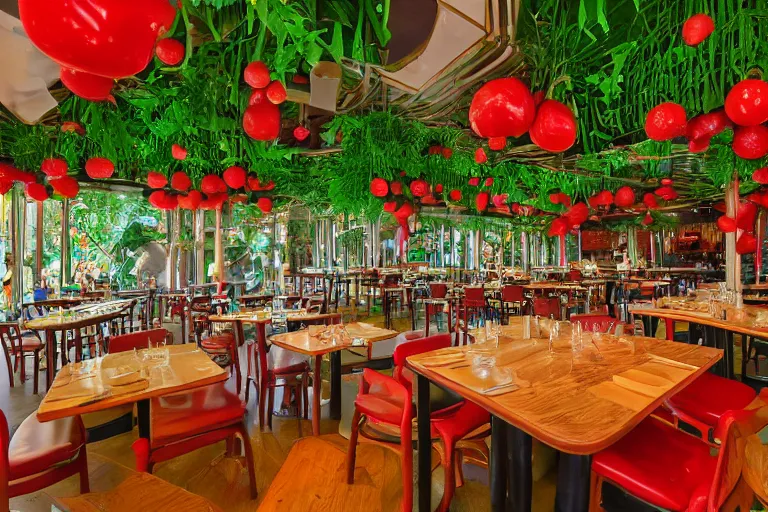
x=10, y=337
x=139, y=340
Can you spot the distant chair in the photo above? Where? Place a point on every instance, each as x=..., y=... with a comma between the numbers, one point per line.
x=512, y=296
x=547, y=307
x=472, y=306
x=20, y=347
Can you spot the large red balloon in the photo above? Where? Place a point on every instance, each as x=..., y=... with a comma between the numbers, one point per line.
x=665, y=121
x=161, y=200
x=180, y=181
x=747, y=102
x=502, y=108
x=87, y=86
x=156, y=179
x=726, y=224
x=191, y=201
x=262, y=121
x=751, y=142
x=235, y=177
x=577, y=214
x=746, y=216
x=554, y=128
x=111, y=38
x=36, y=191
x=54, y=167
x=212, y=184
x=697, y=28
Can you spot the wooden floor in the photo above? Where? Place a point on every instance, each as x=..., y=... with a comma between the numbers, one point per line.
x=312, y=476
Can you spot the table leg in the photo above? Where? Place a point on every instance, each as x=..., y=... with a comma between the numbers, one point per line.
x=426, y=320
x=424, y=445
x=519, y=470
x=50, y=355
x=335, y=385
x=183, y=321
x=142, y=411
x=669, y=326
x=573, y=483
x=316, y=389
x=412, y=308
x=161, y=310
x=729, y=353
x=498, y=464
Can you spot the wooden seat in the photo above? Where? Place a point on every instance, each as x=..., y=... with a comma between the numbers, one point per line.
x=20, y=346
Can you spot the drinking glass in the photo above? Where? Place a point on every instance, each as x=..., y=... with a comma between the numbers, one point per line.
x=576, y=338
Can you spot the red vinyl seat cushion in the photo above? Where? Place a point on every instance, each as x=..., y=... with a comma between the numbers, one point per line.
x=28, y=344
x=460, y=422
x=36, y=446
x=285, y=362
x=659, y=464
x=709, y=396
x=190, y=413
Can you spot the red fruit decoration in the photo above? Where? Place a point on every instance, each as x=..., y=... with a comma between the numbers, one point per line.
x=488, y=182
x=162, y=200
x=667, y=193
x=300, y=79
x=648, y=219
x=178, y=152
x=497, y=143
x=106, y=38
x=697, y=28
x=439, y=188
x=54, y=167
x=649, y=200
x=746, y=244
x=191, y=201
x=706, y=126
x=264, y=204
x=390, y=206
x=750, y=142
x=256, y=185
x=474, y=181
x=213, y=202
x=87, y=86
x=554, y=128
x=726, y=224
x=499, y=200
x=72, y=127
x=480, y=156
x=665, y=121
x=577, y=214
x=10, y=173
x=761, y=176
x=180, y=181
x=5, y=186
x=539, y=97
x=666, y=181
x=300, y=133
x=36, y=191
x=602, y=198
x=402, y=214
x=156, y=180
x=429, y=200
x=262, y=121
x=99, y=168
x=503, y=107
x=396, y=187
x=276, y=92
x=256, y=74
x=212, y=184
x=257, y=96
x=435, y=150
x=446, y=152
x=698, y=145
x=170, y=51
x=419, y=188
x=65, y=186
x=481, y=201
x=455, y=195
x=747, y=102
x=625, y=197
x=235, y=177
x=746, y=216
x=559, y=227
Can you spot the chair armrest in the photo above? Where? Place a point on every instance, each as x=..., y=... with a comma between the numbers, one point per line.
x=705, y=430
x=374, y=379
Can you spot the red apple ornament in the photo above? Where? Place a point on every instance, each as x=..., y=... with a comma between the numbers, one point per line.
x=750, y=142
x=503, y=107
x=170, y=51
x=262, y=121
x=554, y=128
x=256, y=74
x=697, y=28
x=99, y=168
x=54, y=167
x=747, y=102
x=665, y=121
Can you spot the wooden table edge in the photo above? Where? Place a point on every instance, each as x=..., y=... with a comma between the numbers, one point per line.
x=695, y=318
x=564, y=446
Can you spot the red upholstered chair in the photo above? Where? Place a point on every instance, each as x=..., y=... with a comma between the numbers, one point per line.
x=223, y=349
x=472, y=304
x=547, y=307
x=512, y=296
x=387, y=402
x=183, y=422
x=41, y=454
x=139, y=340
x=19, y=346
x=672, y=470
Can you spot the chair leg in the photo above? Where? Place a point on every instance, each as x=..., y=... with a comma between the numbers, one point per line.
x=36, y=376
x=406, y=467
x=352, y=450
x=305, y=392
x=141, y=451
x=85, y=486
x=595, y=493
x=10, y=367
x=270, y=406
x=262, y=402
x=449, y=467
x=249, y=460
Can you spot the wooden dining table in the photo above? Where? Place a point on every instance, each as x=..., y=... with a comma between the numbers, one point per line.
x=58, y=302
x=303, y=342
x=116, y=379
x=578, y=403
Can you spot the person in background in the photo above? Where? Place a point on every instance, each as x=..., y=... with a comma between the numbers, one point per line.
x=8, y=279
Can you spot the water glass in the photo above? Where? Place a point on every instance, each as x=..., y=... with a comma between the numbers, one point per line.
x=577, y=343
x=482, y=365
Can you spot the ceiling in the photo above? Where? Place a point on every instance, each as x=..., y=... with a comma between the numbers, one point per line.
x=10, y=6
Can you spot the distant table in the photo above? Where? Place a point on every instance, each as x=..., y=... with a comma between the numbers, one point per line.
x=147, y=295
x=62, y=302
x=255, y=297
x=578, y=407
x=162, y=299
x=71, y=395
x=302, y=343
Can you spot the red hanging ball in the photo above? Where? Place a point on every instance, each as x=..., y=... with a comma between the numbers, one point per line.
x=113, y=39
x=565, y=199
x=212, y=185
x=99, y=168
x=559, y=227
x=54, y=167
x=256, y=74
x=65, y=186
x=649, y=200
x=235, y=177
x=697, y=28
x=213, y=202
x=648, y=219
x=379, y=187
x=746, y=244
x=36, y=191
x=191, y=201
x=170, y=51
x=500, y=200
x=429, y=200
x=419, y=188
x=180, y=181
x=156, y=180
x=706, y=126
x=5, y=186
x=726, y=224
x=488, y=182
x=72, y=127
x=439, y=188
x=602, y=198
x=665, y=121
x=257, y=96
x=497, y=143
x=480, y=156
x=554, y=198
x=746, y=216
x=455, y=195
x=698, y=145
x=390, y=206
x=750, y=142
x=667, y=193
x=178, y=152
x=87, y=86
x=625, y=197
x=276, y=92
x=264, y=204
x=503, y=107
x=300, y=133
x=577, y=214
x=481, y=201
x=161, y=200
x=760, y=176
x=262, y=121
x=747, y=102
x=396, y=187
x=554, y=128
x=474, y=181
x=435, y=150
x=446, y=152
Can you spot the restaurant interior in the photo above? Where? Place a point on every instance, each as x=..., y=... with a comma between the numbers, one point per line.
x=384, y=255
